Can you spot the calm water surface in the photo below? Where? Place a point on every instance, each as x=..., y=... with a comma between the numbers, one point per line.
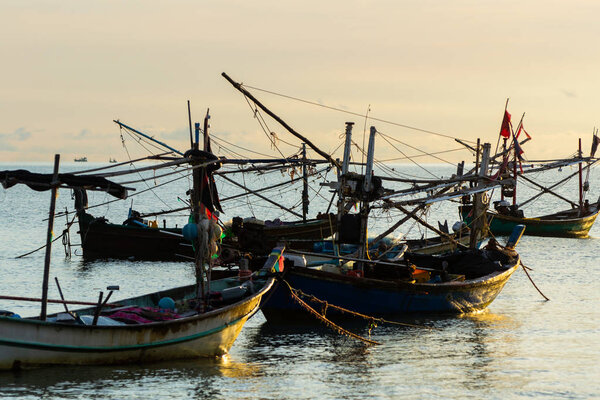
x=521, y=347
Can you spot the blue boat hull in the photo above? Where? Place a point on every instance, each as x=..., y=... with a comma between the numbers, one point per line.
x=379, y=297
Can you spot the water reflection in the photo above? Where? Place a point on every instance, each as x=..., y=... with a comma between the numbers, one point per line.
x=202, y=377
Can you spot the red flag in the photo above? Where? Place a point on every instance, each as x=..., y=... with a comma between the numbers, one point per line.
x=505, y=128
x=521, y=128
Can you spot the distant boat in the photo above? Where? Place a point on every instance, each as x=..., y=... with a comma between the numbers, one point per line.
x=112, y=160
x=81, y=159
x=573, y=223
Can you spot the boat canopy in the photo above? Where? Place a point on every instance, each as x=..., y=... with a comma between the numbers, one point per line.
x=42, y=182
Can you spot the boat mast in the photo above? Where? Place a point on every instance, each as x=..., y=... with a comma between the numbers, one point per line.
x=206, y=137
x=305, y=184
x=479, y=205
x=501, y=169
x=190, y=122
x=206, y=147
x=515, y=174
x=54, y=184
x=341, y=172
x=364, y=204
x=580, y=154
x=477, y=155
x=197, y=208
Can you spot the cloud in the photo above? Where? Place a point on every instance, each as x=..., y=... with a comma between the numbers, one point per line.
x=87, y=134
x=83, y=133
x=7, y=139
x=568, y=93
x=177, y=134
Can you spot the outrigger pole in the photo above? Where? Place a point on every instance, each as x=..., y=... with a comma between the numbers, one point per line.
x=276, y=118
x=122, y=125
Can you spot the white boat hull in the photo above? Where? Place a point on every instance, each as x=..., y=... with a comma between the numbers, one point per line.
x=29, y=343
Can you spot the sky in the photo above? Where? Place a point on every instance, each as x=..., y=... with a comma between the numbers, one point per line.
x=69, y=68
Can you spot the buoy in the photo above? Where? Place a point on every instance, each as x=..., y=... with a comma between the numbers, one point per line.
x=166, y=303
x=190, y=232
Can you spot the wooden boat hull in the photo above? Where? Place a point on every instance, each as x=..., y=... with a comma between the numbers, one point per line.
x=29, y=343
x=551, y=225
x=101, y=239
x=105, y=240
x=387, y=298
x=316, y=229
x=260, y=239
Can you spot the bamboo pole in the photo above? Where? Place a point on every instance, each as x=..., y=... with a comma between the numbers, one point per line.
x=61, y=294
x=55, y=184
x=397, y=224
x=122, y=125
x=261, y=196
x=580, y=181
x=428, y=226
x=556, y=184
x=37, y=300
x=403, y=220
x=546, y=190
x=224, y=199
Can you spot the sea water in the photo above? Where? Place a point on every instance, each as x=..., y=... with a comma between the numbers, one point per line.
x=520, y=347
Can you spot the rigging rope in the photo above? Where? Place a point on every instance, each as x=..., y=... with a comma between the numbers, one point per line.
x=411, y=160
x=312, y=298
x=218, y=139
x=415, y=148
x=326, y=321
x=423, y=155
x=260, y=120
x=359, y=114
x=65, y=231
x=140, y=175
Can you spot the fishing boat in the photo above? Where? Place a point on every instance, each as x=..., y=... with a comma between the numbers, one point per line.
x=574, y=222
x=140, y=239
x=465, y=281
x=112, y=160
x=203, y=319
x=570, y=223
x=80, y=159
x=138, y=330
x=462, y=282
x=145, y=239
x=101, y=239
